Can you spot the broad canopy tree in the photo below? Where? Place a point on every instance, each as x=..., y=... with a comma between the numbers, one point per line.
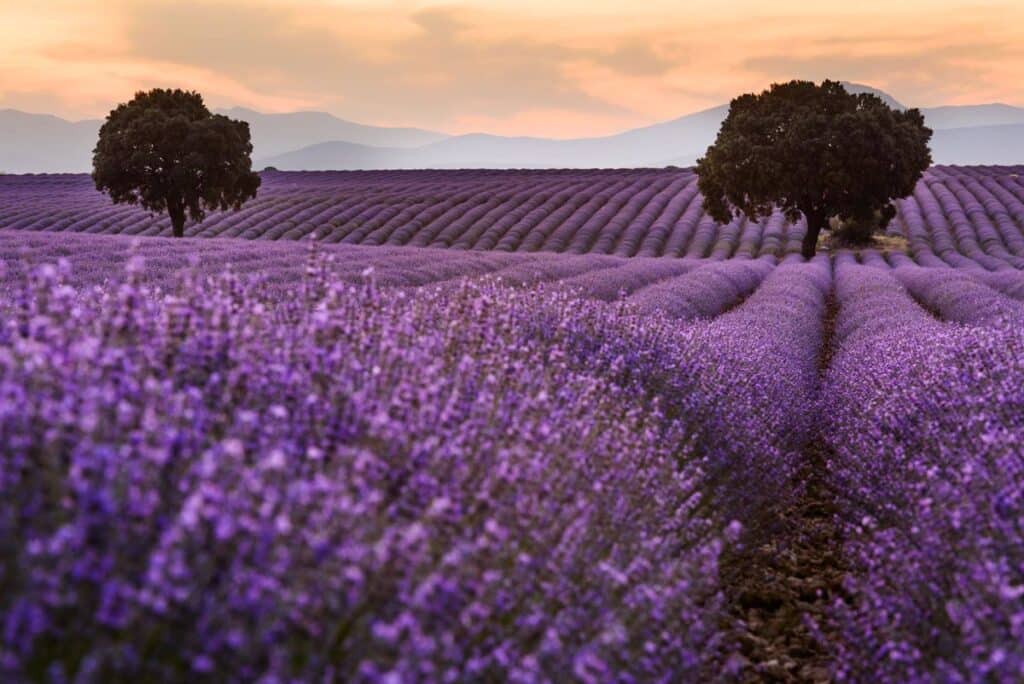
x=815, y=150
x=165, y=151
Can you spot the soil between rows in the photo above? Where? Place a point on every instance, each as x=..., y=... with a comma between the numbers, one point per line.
x=787, y=570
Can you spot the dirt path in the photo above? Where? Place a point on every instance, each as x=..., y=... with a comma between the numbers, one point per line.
x=788, y=571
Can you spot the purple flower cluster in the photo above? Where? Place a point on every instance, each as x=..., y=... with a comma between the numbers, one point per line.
x=924, y=420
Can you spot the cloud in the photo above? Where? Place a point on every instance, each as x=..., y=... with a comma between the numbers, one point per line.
x=440, y=66
x=637, y=57
x=929, y=68
x=439, y=21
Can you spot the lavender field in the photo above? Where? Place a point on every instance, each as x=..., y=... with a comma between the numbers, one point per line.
x=960, y=216
x=599, y=438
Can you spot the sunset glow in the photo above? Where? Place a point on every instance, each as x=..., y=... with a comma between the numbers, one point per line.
x=525, y=68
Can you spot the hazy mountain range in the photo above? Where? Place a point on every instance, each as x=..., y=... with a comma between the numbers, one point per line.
x=38, y=143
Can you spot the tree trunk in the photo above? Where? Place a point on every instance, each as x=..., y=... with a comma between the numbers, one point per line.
x=815, y=222
x=177, y=214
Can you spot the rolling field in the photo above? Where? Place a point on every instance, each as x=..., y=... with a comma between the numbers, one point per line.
x=546, y=455
x=957, y=215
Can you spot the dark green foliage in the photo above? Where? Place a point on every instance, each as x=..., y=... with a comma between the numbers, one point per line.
x=813, y=150
x=164, y=150
x=858, y=232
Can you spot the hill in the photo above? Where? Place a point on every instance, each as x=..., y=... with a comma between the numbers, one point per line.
x=41, y=143
x=979, y=145
x=37, y=143
x=275, y=134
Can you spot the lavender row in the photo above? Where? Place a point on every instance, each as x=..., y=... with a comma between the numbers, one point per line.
x=924, y=419
x=633, y=275
x=760, y=362
x=703, y=292
x=98, y=258
x=1005, y=281
x=966, y=217
x=955, y=295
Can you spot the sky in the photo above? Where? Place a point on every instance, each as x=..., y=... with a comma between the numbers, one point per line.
x=516, y=67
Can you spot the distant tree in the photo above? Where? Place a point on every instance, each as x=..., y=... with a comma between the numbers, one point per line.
x=814, y=150
x=857, y=232
x=165, y=151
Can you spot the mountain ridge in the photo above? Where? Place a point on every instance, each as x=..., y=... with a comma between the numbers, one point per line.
x=312, y=140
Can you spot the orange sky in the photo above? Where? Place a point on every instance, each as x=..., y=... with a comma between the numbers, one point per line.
x=523, y=67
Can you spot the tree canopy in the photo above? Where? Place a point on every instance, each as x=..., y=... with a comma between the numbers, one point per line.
x=813, y=150
x=165, y=151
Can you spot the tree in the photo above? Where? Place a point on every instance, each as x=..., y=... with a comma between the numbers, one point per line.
x=814, y=150
x=165, y=151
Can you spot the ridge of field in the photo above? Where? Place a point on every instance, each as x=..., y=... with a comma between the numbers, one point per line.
x=955, y=215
